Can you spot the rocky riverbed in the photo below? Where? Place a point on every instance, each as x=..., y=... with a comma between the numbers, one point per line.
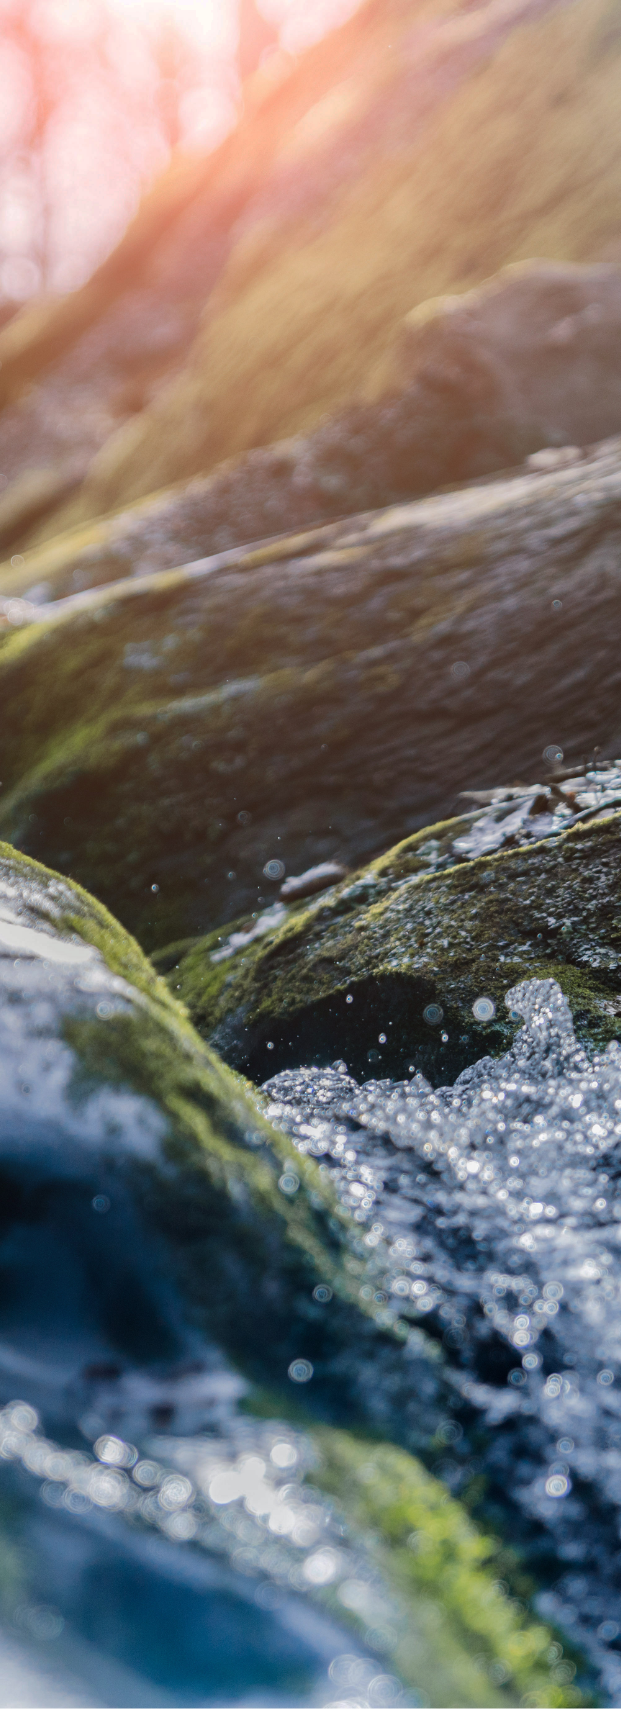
x=309, y=676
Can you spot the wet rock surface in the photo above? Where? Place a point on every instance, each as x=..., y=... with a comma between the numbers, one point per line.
x=311, y=700
x=309, y=1389
x=528, y=360
x=170, y=1253
x=489, y=383
x=230, y=314
x=418, y=948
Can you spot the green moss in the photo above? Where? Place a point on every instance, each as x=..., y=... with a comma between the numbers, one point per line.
x=215, y=1194
x=444, y=1574
x=159, y=736
x=217, y=1132
x=395, y=938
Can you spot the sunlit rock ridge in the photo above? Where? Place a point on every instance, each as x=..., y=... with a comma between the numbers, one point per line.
x=414, y=152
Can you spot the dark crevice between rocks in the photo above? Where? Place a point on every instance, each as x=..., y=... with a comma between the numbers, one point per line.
x=335, y=1028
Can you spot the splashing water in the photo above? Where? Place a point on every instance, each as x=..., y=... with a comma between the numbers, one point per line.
x=492, y=1212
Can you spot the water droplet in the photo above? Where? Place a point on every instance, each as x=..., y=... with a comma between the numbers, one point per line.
x=557, y=1485
x=274, y=869
x=300, y=1371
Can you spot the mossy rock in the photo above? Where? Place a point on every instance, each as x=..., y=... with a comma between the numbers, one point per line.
x=109, y=1093
x=165, y=738
x=487, y=382
x=264, y=286
x=428, y=1604
x=421, y=1537
x=397, y=940
x=394, y=177
x=112, y=1104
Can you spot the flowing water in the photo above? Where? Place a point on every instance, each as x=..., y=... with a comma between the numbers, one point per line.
x=493, y=1211
x=166, y=1538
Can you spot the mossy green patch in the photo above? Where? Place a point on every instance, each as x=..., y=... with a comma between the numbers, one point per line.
x=478, y=1646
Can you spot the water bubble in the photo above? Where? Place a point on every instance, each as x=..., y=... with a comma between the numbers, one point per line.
x=274, y=869
x=557, y=1485
x=433, y=1014
x=383, y=1691
x=289, y=1182
x=108, y=1488
x=174, y=1492
x=553, y=754
x=557, y=604
x=321, y=1567
x=517, y=1377
x=605, y=1378
x=349, y=999
x=147, y=1473
x=113, y=1451
x=483, y=1009
x=460, y=670
x=155, y=888
x=608, y=1631
x=565, y=1444
x=100, y=1203
x=381, y=1037
x=345, y=1670
x=283, y=1455
x=300, y=1371
x=181, y=1527
x=322, y=1293
x=224, y=1488
x=554, y=1385
x=22, y=1417
x=531, y=1361
x=17, y=611
x=449, y=1432
x=444, y=1038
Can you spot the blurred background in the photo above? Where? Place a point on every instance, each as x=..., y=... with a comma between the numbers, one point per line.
x=96, y=94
